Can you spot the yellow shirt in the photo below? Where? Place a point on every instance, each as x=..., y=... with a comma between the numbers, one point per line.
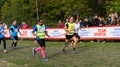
x=71, y=28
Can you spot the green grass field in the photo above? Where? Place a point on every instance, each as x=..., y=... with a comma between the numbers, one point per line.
x=90, y=55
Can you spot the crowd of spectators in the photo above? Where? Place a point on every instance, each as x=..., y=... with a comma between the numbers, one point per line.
x=96, y=21
x=112, y=20
x=23, y=25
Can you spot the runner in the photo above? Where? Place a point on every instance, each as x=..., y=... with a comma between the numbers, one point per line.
x=40, y=37
x=2, y=37
x=70, y=30
x=77, y=28
x=13, y=31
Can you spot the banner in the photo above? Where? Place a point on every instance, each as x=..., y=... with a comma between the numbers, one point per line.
x=55, y=33
x=26, y=33
x=112, y=33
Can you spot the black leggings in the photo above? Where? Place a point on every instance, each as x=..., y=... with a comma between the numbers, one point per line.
x=4, y=42
x=41, y=42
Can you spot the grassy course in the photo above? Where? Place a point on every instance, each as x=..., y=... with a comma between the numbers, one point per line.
x=90, y=55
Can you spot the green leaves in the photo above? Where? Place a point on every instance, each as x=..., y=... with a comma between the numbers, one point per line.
x=15, y=10
x=53, y=10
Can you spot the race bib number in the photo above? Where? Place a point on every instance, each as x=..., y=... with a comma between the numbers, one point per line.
x=71, y=32
x=42, y=29
x=16, y=30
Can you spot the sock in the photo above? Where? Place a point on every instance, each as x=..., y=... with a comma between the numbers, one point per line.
x=15, y=44
x=4, y=43
x=38, y=49
x=43, y=53
x=12, y=44
x=65, y=44
x=74, y=49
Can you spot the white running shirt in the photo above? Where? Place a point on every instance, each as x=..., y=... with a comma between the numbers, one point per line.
x=77, y=27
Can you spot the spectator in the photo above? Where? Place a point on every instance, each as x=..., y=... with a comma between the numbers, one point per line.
x=87, y=23
x=118, y=22
x=109, y=20
x=60, y=24
x=95, y=21
x=101, y=22
x=81, y=23
x=4, y=25
x=78, y=17
x=116, y=18
x=112, y=20
x=67, y=21
x=24, y=25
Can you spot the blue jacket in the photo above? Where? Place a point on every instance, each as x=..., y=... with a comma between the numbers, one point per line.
x=14, y=30
x=1, y=32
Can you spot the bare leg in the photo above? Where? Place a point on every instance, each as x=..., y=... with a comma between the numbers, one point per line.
x=65, y=44
x=75, y=42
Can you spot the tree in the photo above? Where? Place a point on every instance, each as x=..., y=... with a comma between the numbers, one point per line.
x=53, y=10
x=16, y=10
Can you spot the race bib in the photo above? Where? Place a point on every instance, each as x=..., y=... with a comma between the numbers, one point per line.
x=16, y=30
x=42, y=29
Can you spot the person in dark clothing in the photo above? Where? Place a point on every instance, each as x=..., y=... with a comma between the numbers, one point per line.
x=81, y=23
x=101, y=22
x=13, y=31
x=95, y=21
x=2, y=37
x=116, y=18
x=87, y=23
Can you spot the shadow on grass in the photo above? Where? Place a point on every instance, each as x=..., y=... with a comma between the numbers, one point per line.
x=10, y=49
x=55, y=54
